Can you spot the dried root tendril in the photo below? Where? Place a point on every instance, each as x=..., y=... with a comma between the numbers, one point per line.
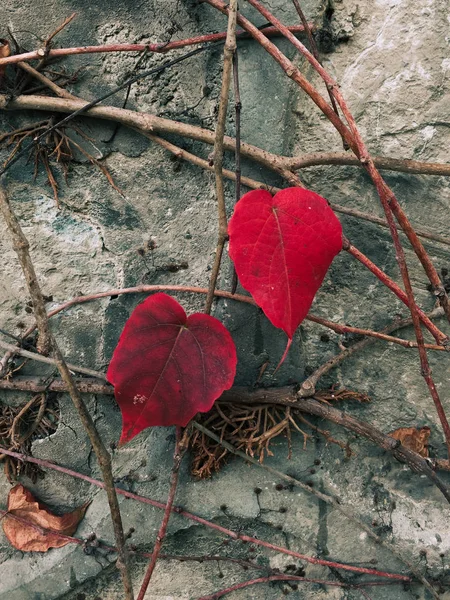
x=252, y=429
x=20, y=426
x=58, y=149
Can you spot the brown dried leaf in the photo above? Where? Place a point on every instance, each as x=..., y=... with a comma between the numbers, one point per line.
x=5, y=50
x=32, y=538
x=413, y=439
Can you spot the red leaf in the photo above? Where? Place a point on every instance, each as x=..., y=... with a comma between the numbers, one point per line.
x=168, y=367
x=35, y=536
x=282, y=247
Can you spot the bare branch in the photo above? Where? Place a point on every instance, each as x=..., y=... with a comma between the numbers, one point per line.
x=21, y=245
x=228, y=53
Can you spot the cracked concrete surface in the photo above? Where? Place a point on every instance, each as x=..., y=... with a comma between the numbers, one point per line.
x=392, y=61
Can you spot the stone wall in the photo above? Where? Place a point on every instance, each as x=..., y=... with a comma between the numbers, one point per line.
x=392, y=61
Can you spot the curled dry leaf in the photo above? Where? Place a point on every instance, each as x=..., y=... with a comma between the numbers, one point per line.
x=167, y=367
x=282, y=247
x=413, y=439
x=5, y=50
x=34, y=538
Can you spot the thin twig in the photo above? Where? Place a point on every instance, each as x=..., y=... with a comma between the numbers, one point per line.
x=315, y=52
x=21, y=246
x=145, y=289
x=237, y=153
x=290, y=69
x=270, y=578
x=200, y=520
x=245, y=564
x=59, y=91
x=39, y=384
x=177, y=457
x=403, y=165
x=358, y=214
x=256, y=185
x=160, y=48
x=228, y=53
x=440, y=337
x=308, y=387
x=59, y=29
x=388, y=200
x=49, y=361
x=343, y=329
x=328, y=499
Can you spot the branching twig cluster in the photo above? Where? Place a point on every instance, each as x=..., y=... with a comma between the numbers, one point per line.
x=243, y=422
x=58, y=149
x=48, y=343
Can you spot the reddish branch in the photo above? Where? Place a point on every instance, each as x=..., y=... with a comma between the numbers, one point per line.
x=389, y=202
x=145, y=289
x=343, y=329
x=144, y=123
x=21, y=246
x=228, y=532
x=245, y=564
x=160, y=47
x=388, y=282
x=12, y=350
x=287, y=578
x=177, y=456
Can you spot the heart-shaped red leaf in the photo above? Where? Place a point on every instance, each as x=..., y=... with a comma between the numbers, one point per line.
x=282, y=247
x=167, y=367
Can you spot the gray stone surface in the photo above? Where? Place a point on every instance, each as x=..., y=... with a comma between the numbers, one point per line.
x=392, y=60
